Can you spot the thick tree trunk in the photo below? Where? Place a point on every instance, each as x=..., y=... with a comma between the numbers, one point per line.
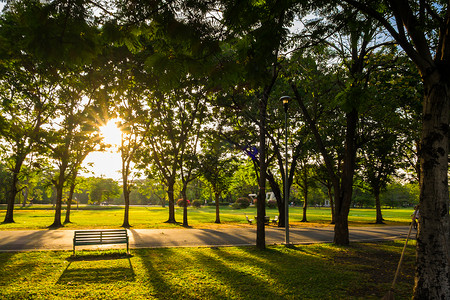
x=305, y=208
x=126, y=215
x=432, y=260
x=170, y=187
x=261, y=203
x=216, y=195
x=343, y=196
x=126, y=196
x=58, y=206
x=379, y=218
x=9, y=217
x=59, y=196
x=69, y=203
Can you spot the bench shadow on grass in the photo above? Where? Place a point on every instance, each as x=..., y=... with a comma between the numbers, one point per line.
x=95, y=268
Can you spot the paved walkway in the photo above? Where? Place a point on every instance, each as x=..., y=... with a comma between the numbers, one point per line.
x=37, y=240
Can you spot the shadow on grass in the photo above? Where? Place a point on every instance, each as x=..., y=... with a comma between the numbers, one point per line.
x=95, y=268
x=153, y=262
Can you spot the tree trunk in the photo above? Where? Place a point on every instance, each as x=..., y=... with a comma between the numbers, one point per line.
x=432, y=259
x=126, y=197
x=9, y=217
x=379, y=219
x=126, y=219
x=280, y=202
x=69, y=202
x=26, y=192
x=185, y=204
x=170, y=187
x=261, y=203
x=216, y=195
x=59, y=195
x=305, y=208
x=330, y=196
x=305, y=195
x=343, y=196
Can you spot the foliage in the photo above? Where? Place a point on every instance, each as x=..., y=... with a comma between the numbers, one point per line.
x=197, y=203
x=272, y=203
x=181, y=202
x=241, y=203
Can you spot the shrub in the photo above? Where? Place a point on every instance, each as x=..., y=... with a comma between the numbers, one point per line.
x=272, y=203
x=196, y=203
x=241, y=203
x=180, y=202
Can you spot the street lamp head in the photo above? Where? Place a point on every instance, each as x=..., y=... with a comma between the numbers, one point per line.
x=285, y=100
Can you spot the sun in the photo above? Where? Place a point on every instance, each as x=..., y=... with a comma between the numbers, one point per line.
x=111, y=133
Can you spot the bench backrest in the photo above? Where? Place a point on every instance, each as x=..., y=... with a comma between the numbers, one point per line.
x=112, y=236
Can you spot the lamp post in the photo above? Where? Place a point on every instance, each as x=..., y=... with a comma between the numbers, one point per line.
x=285, y=101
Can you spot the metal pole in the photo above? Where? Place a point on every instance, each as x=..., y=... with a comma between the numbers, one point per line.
x=285, y=100
x=286, y=177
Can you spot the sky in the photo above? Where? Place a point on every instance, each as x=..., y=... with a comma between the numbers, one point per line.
x=108, y=163
x=105, y=164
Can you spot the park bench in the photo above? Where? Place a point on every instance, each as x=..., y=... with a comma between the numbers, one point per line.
x=100, y=237
x=249, y=220
x=275, y=220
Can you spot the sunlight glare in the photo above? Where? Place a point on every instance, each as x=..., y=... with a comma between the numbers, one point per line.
x=111, y=133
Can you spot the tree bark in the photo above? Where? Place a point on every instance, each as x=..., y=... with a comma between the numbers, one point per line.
x=305, y=207
x=330, y=196
x=59, y=185
x=432, y=260
x=69, y=202
x=261, y=203
x=280, y=202
x=9, y=217
x=126, y=194
x=343, y=195
x=379, y=218
x=216, y=195
x=185, y=204
x=170, y=187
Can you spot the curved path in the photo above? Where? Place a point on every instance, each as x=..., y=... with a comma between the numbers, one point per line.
x=38, y=240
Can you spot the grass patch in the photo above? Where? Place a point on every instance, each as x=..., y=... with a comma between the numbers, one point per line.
x=360, y=271
x=41, y=216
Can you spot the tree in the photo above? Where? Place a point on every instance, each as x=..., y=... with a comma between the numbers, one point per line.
x=26, y=106
x=173, y=118
x=70, y=140
x=218, y=166
x=421, y=28
x=134, y=127
x=304, y=180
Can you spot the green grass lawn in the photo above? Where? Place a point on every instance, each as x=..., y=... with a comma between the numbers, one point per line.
x=359, y=271
x=41, y=216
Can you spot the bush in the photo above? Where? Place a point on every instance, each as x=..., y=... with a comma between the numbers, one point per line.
x=241, y=203
x=196, y=203
x=180, y=202
x=272, y=203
